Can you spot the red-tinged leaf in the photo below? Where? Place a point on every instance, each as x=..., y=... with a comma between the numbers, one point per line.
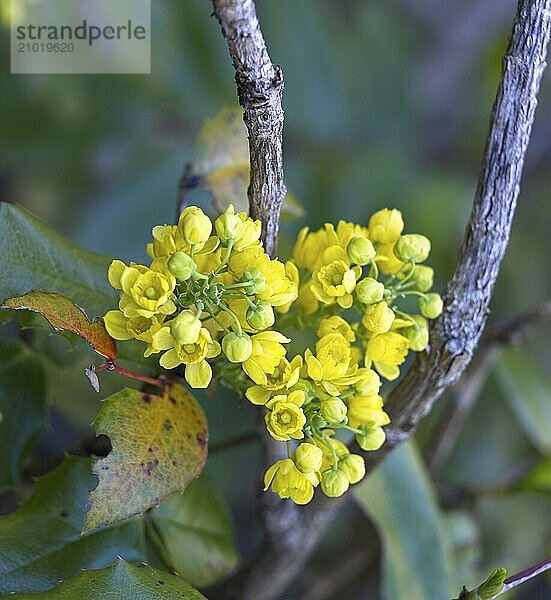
x=64, y=315
x=159, y=446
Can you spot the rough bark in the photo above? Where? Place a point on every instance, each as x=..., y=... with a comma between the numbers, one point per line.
x=260, y=89
x=291, y=532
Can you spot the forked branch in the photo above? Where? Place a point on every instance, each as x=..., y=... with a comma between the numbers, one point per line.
x=292, y=532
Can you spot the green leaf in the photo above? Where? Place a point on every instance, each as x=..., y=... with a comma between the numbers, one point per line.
x=528, y=393
x=399, y=498
x=64, y=315
x=539, y=478
x=22, y=405
x=122, y=581
x=35, y=257
x=197, y=531
x=41, y=543
x=159, y=445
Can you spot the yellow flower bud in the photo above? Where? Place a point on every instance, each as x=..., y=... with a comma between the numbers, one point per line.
x=385, y=226
x=237, y=347
x=353, y=466
x=181, y=265
x=412, y=247
x=431, y=305
x=360, y=251
x=371, y=439
x=334, y=483
x=261, y=316
x=418, y=335
x=195, y=226
x=423, y=277
x=369, y=290
x=308, y=458
x=185, y=328
x=229, y=227
x=369, y=384
x=378, y=318
x=333, y=410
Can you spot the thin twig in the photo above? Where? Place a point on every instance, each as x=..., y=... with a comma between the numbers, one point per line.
x=260, y=89
x=525, y=575
x=464, y=394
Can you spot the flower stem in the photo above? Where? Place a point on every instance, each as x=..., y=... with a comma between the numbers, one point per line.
x=111, y=366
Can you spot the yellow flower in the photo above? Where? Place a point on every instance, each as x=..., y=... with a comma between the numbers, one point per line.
x=389, y=348
x=335, y=282
x=423, y=277
x=330, y=366
x=145, y=292
x=121, y=327
x=366, y=410
x=194, y=225
x=266, y=355
x=307, y=303
x=385, y=226
x=388, y=262
x=279, y=290
x=286, y=418
x=285, y=375
x=378, y=318
x=293, y=276
x=250, y=234
x=198, y=372
x=336, y=324
x=310, y=246
x=287, y=481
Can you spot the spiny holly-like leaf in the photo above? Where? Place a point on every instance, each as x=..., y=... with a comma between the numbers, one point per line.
x=41, y=543
x=22, y=404
x=197, y=531
x=122, y=581
x=159, y=445
x=34, y=257
x=64, y=315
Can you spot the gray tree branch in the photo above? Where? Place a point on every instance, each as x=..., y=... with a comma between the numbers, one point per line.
x=292, y=532
x=260, y=89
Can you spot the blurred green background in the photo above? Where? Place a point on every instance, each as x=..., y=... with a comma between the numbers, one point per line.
x=386, y=104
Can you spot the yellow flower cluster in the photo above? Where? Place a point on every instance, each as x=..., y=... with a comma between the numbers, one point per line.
x=367, y=272
x=205, y=293
x=211, y=292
